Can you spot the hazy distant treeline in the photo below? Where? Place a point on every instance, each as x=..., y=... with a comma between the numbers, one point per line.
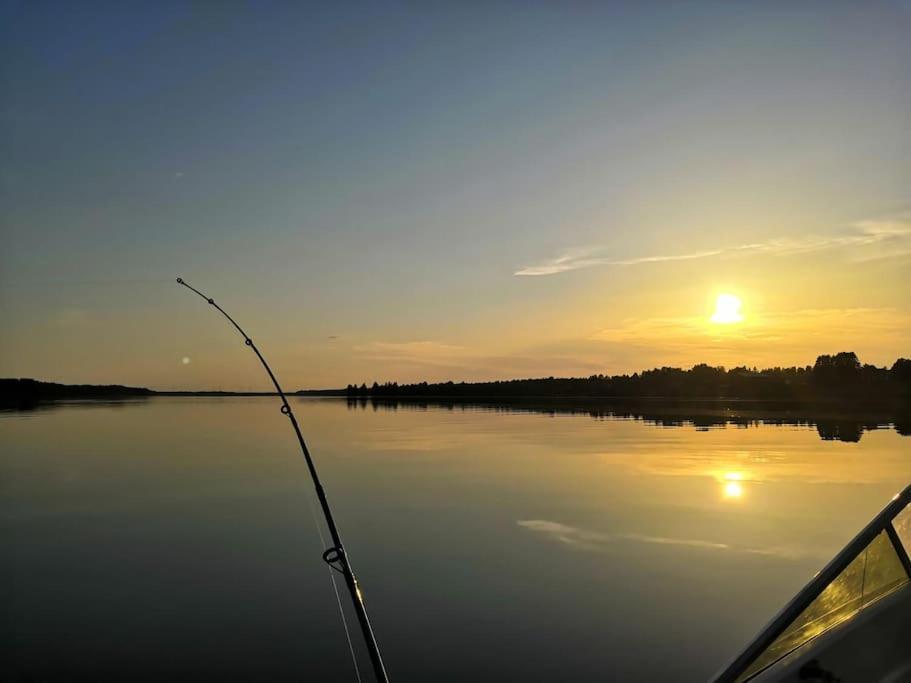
x=838, y=377
x=28, y=391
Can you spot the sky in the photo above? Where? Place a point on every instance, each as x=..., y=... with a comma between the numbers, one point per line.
x=434, y=191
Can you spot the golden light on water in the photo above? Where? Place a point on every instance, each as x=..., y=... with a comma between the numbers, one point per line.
x=732, y=488
x=727, y=310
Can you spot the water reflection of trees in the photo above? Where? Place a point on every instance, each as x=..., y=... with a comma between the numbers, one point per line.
x=830, y=426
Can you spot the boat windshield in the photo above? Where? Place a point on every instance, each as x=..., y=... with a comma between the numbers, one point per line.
x=873, y=565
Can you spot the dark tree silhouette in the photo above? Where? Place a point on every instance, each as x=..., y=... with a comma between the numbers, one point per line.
x=901, y=371
x=839, y=377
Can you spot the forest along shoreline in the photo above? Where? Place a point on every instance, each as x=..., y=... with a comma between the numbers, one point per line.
x=838, y=395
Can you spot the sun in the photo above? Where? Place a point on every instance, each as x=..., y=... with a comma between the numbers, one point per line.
x=727, y=310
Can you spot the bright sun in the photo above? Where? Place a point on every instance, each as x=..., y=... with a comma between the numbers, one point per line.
x=727, y=310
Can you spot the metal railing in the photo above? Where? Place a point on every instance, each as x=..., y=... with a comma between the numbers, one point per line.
x=803, y=599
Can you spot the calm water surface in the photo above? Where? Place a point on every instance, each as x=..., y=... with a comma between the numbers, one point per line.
x=173, y=539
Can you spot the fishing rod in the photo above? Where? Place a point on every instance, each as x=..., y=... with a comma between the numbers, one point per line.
x=335, y=557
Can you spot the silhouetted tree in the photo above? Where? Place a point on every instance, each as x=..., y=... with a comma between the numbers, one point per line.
x=838, y=377
x=901, y=371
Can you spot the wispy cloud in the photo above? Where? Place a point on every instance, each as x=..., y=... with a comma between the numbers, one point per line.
x=594, y=541
x=894, y=233
x=658, y=259
x=70, y=317
x=571, y=259
x=420, y=352
x=441, y=361
x=822, y=323
x=763, y=338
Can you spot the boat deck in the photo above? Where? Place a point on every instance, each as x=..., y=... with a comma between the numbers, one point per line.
x=873, y=646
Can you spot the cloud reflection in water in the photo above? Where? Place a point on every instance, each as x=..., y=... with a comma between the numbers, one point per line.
x=595, y=541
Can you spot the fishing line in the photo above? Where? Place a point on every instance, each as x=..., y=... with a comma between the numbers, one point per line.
x=335, y=556
x=338, y=599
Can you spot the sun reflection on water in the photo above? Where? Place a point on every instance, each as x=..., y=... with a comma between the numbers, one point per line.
x=732, y=488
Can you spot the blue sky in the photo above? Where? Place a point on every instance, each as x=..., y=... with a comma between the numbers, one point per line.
x=361, y=184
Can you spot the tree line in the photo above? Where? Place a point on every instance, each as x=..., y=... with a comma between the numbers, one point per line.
x=832, y=377
x=28, y=392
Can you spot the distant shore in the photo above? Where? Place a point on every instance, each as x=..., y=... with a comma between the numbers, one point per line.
x=835, y=383
x=833, y=419
x=27, y=390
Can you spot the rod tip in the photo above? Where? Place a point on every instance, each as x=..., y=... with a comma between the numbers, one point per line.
x=180, y=280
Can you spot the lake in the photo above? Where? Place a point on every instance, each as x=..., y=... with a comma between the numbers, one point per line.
x=173, y=538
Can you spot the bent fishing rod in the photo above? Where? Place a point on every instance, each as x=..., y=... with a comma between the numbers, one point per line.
x=335, y=557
